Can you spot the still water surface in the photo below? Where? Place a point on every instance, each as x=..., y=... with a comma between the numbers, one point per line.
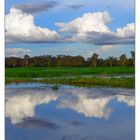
x=39, y=112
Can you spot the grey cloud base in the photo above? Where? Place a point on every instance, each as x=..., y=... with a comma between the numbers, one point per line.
x=32, y=8
x=97, y=38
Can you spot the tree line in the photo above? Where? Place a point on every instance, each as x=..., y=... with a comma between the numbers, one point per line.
x=69, y=61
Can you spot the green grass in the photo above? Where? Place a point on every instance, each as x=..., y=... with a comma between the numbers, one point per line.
x=80, y=81
x=62, y=75
x=109, y=82
x=64, y=71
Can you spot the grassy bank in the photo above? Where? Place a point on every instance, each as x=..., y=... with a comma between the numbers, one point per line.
x=63, y=75
x=79, y=81
x=65, y=71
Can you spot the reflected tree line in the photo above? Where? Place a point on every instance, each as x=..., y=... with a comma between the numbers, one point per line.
x=69, y=61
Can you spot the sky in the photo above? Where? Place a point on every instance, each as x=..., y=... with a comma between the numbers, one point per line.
x=80, y=27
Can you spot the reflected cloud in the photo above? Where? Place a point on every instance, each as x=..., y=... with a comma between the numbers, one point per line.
x=92, y=102
x=35, y=123
x=22, y=105
x=129, y=100
x=75, y=123
x=76, y=137
x=90, y=107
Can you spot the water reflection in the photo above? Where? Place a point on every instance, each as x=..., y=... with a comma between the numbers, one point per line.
x=69, y=113
x=22, y=103
x=93, y=102
x=129, y=100
x=35, y=123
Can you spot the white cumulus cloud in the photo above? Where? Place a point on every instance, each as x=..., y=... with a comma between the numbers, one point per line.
x=93, y=28
x=127, y=31
x=20, y=27
x=16, y=52
x=89, y=22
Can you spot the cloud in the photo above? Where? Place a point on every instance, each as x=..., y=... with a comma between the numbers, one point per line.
x=75, y=6
x=87, y=23
x=32, y=8
x=98, y=38
x=127, y=31
x=89, y=28
x=93, y=28
x=16, y=52
x=67, y=50
x=20, y=27
x=105, y=48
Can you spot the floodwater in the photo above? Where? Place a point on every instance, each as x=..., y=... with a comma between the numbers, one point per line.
x=92, y=75
x=44, y=112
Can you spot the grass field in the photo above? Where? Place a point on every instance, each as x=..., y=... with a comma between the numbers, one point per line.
x=64, y=71
x=64, y=75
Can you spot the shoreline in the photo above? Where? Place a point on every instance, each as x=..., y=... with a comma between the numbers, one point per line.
x=80, y=81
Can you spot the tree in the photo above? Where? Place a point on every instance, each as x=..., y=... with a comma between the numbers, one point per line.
x=13, y=61
x=123, y=59
x=133, y=57
x=93, y=59
x=111, y=60
x=26, y=57
x=69, y=61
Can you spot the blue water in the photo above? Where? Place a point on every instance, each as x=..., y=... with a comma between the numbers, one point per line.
x=37, y=112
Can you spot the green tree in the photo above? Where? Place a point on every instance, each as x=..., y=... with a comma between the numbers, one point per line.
x=111, y=60
x=123, y=59
x=13, y=61
x=133, y=57
x=93, y=60
x=26, y=57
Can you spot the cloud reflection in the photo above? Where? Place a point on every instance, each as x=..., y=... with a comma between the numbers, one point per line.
x=92, y=102
x=129, y=100
x=95, y=102
x=35, y=123
x=22, y=105
x=89, y=107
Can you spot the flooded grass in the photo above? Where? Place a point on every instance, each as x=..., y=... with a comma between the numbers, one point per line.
x=78, y=76
x=80, y=81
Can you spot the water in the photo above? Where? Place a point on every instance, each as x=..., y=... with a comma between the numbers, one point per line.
x=37, y=112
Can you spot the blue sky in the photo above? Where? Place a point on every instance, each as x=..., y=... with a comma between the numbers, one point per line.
x=65, y=12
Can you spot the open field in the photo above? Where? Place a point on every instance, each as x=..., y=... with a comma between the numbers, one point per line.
x=65, y=71
x=73, y=76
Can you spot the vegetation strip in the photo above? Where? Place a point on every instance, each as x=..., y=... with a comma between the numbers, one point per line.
x=69, y=61
x=45, y=72
x=73, y=76
x=79, y=81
